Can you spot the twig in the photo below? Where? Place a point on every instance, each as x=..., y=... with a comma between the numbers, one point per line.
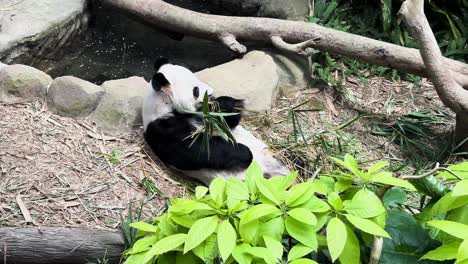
x=431, y=172
x=377, y=245
x=24, y=210
x=302, y=48
x=231, y=42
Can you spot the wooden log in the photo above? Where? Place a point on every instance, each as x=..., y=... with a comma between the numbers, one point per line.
x=59, y=245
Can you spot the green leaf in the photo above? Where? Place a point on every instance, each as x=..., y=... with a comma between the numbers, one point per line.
x=274, y=247
x=273, y=228
x=336, y=237
x=143, y=244
x=261, y=252
x=217, y=190
x=240, y=254
x=298, y=251
x=299, y=194
x=253, y=172
x=266, y=190
x=351, y=253
x=377, y=167
x=460, y=169
x=283, y=182
x=200, y=231
x=144, y=227
x=237, y=189
x=387, y=178
x=335, y=201
x=165, y=245
x=248, y=232
x=444, y=252
x=200, y=191
x=303, y=261
x=258, y=211
x=226, y=239
x=135, y=259
x=303, y=215
x=186, y=206
x=446, y=203
x=316, y=205
x=452, y=228
x=180, y=258
x=367, y=226
x=461, y=188
x=365, y=204
x=342, y=185
x=350, y=164
x=462, y=255
x=394, y=197
x=303, y=233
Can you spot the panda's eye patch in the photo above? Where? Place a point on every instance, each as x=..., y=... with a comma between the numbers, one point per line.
x=196, y=92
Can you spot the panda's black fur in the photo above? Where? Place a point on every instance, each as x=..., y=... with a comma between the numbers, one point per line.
x=170, y=140
x=173, y=95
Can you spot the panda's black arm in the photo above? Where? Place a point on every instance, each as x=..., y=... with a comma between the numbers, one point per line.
x=230, y=105
x=170, y=139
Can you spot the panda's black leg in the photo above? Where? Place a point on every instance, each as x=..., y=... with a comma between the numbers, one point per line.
x=228, y=104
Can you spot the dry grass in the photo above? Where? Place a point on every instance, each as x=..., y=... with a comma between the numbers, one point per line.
x=56, y=167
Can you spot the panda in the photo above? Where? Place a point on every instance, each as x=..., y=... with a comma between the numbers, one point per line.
x=171, y=95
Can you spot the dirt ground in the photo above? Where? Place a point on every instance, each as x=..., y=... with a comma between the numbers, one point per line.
x=54, y=171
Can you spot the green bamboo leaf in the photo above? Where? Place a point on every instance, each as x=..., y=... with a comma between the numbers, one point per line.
x=367, y=226
x=165, y=245
x=258, y=211
x=226, y=239
x=365, y=204
x=144, y=227
x=298, y=251
x=336, y=237
x=301, y=232
x=200, y=231
x=452, y=228
x=303, y=215
x=444, y=252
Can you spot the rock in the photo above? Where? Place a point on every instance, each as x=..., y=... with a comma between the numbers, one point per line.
x=120, y=107
x=290, y=9
x=36, y=28
x=293, y=70
x=253, y=78
x=2, y=65
x=73, y=97
x=22, y=81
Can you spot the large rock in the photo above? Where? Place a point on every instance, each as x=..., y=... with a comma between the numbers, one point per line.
x=294, y=71
x=253, y=78
x=24, y=82
x=73, y=97
x=120, y=107
x=284, y=9
x=37, y=28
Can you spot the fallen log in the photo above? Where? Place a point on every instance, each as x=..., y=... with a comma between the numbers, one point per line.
x=50, y=245
x=229, y=30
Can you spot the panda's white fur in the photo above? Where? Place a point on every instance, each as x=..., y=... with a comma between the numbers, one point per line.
x=171, y=91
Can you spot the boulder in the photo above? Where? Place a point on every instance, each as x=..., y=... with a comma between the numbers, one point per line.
x=253, y=78
x=120, y=108
x=22, y=81
x=293, y=70
x=2, y=65
x=73, y=97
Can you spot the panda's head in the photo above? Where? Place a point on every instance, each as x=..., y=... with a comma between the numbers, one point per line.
x=181, y=85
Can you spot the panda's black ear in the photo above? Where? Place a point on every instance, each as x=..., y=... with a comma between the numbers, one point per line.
x=160, y=62
x=159, y=81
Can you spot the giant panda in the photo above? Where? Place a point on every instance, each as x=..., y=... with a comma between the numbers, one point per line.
x=174, y=92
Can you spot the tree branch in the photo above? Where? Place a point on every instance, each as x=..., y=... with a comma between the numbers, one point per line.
x=231, y=42
x=376, y=252
x=303, y=48
x=169, y=17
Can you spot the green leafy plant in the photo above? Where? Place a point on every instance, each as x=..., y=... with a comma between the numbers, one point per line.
x=269, y=220
x=113, y=157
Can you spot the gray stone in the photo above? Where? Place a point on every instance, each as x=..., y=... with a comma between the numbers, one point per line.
x=120, y=108
x=253, y=78
x=2, y=65
x=293, y=70
x=284, y=9
x=24, y=82
x=73, y=97
x=35, y=28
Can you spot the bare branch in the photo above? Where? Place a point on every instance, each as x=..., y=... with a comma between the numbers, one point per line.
x=449, y=90
x=429, y=173
x=230, y=41
x=303, y=48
